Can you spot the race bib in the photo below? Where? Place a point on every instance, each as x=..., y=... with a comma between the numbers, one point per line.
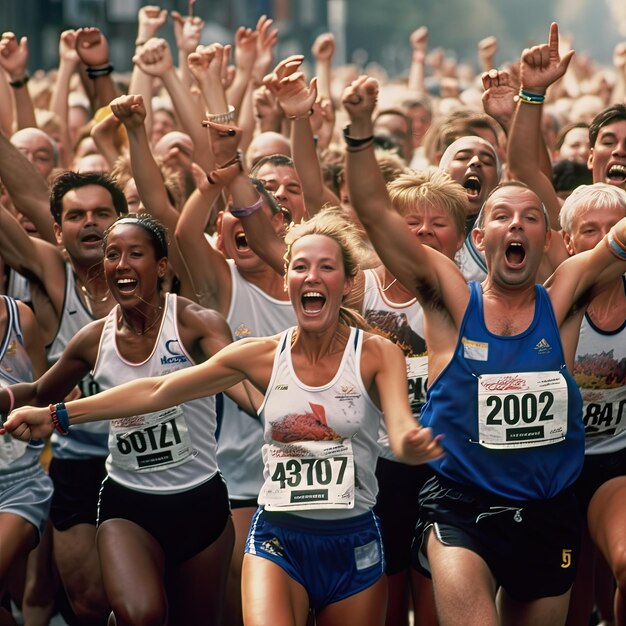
x=150, y=442
x=604, y=412
x=309, y=475
x=521, y=410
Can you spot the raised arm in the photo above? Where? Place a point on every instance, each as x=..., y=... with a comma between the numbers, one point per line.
x=296, y=100
x=540, y=67
x=261, y=231
x=147, y=175
x=420, y=269
x=155, y=59
x=417, y=72
x=93, y=50
x=27, y=188
x=149, y=20
x=245, y=55
x=14, y=61
x=187, y=32
x=206, y=266
x=323, y=50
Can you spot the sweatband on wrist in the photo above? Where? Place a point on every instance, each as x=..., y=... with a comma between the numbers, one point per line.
x=354, y=142
x=531, y=98
x=247, y=210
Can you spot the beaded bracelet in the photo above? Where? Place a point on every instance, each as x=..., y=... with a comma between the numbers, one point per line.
x=531, y=98
x=97, y=72
x=247, y=210
x=60, y=418
x=354, y=142
x=222, y=118
x=20, y=82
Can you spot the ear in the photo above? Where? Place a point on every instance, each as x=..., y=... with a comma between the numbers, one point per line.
x=546, y=246
x=590, y=159
x=58, y=234
x=278, y=221
x=347, y=287
x=567, y=239
x=162, y=267
x=478, y=237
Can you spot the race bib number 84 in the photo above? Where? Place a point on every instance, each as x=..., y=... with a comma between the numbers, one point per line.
x=522, y=410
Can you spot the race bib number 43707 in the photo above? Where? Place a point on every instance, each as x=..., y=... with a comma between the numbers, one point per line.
x=522, y=410
x=309, y=475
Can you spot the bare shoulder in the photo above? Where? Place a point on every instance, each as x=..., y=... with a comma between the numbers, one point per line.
x=378, y=347
x=193, y=315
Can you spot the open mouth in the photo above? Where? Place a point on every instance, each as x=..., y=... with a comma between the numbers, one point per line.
x=241, y=242
x=313, y=302
x=126, y=285
x=617, y=174
x=91, y=239
x=515, y=253
x=472, y=186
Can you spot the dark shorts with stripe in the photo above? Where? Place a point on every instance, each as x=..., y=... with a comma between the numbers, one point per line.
x=531, y=548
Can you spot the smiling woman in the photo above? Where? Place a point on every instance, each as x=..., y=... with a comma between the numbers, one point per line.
x=325, y=383
x=162, y=467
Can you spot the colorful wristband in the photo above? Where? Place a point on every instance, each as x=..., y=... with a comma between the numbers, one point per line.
x=60, y=418
x=531, y=98
x=615, y=247
x=247, y=210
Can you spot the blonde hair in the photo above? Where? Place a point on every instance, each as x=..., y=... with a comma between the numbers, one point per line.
x=431, y=187
x=331, y=222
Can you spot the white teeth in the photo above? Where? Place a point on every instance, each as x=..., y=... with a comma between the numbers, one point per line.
x=126, y=280
x=313, y=294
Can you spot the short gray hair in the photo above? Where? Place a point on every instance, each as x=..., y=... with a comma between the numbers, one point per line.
x=598, y=195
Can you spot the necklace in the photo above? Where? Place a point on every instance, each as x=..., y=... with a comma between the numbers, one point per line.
x=147, y=328
x=93, y=298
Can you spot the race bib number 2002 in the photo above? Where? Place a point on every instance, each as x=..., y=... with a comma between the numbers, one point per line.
x=522, y=410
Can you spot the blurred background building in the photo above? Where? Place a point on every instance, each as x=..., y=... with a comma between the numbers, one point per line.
x=366, y=30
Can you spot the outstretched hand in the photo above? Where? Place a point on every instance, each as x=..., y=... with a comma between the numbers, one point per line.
x=543, y=65
x=28, y=422
x=499, y=96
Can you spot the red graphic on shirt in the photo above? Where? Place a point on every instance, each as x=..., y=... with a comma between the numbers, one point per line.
x=304, y=427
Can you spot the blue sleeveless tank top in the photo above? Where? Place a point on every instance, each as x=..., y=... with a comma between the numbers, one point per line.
x=510, y=412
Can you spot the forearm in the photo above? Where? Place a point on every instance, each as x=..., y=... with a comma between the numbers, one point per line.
x=307, y=164
x=27, y=188
x=416, y=77
x=188, y=116
x=141, y=85
x=24, y=109
x=237, y=90
x=6, y=106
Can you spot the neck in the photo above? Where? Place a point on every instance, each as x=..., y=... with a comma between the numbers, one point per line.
x=139, y=321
